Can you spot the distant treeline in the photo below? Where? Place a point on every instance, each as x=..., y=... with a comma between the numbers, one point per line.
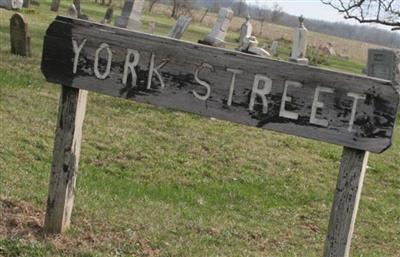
x=277, y=15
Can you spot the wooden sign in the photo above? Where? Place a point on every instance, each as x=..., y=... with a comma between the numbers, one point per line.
x=356, y=112
x=348, y=110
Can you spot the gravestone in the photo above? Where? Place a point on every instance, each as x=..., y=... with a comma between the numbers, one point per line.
x=180, y=27
x=299, y=49
x=152, y=27
x=274, y=48
x=250, y=46
x=72, y=12
x=220, y=29
x=55, y=5
x=19, y=36
x=130, y=16
x=11, y=4
x=108, y=15
x=246, y=30
x=382, y=63
x=26, y=3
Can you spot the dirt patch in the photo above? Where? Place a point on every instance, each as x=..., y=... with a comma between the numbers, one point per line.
x=20, y=220
x=23, y=221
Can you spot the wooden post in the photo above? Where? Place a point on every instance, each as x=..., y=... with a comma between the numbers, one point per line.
x=345, y=204
x=66, y=152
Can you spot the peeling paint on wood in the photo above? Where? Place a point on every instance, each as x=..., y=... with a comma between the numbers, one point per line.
x=343, y=109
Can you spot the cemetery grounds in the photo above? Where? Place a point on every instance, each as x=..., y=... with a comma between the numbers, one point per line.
x=153, y=182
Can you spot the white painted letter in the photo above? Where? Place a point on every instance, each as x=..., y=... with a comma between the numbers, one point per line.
x=155, y=70
x=283, y=112
x=96, y=61
x=266, y=89
x=130, y=66
x=202, y=82
x=354, y=108
x=316, y=104
x=232, y=86
x=77, y=51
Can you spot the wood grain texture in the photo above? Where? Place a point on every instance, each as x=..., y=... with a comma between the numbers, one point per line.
x=373, y=123
x=345, y=203
x=66, y=153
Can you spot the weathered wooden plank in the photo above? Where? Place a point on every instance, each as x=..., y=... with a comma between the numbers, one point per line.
x=66, y=153
x=345, y=203
x=344, y=109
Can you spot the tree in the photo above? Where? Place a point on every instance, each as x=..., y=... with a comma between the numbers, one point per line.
x=151, y=5
x=277, y=12
x=240, y=8
x=181, y=7
x=385, y=12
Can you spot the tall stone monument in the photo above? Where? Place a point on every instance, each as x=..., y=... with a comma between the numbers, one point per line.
x=180, y=27
x=218, y=34
x=299, y=49
x=246, y=30
x=19, y=36
x=130, y=16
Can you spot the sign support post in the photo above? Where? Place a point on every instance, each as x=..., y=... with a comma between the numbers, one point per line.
x=345, y=204
x=67, y=146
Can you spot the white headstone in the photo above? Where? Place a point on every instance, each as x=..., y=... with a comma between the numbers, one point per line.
x=11, y=4
x=72, y=12
x=274, y=47
x=220, y=29
x=130, y=16
x=246, y=30
x=250, y=45
x=299, y=49
x=180, y=27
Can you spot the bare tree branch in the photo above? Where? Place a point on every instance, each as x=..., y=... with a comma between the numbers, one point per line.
x=385, y=12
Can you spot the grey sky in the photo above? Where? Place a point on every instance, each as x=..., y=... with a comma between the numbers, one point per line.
x=309, y=8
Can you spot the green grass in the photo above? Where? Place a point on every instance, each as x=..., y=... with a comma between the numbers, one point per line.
x=153, y=182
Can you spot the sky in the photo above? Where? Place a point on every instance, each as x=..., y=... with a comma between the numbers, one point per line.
x=314, y=9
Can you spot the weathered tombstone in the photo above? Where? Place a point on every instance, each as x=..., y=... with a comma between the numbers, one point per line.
x=299, y=49
x=19, y=36
x=108, y=15
x=250, y=45
x=220, y=29
x=245, y=30
x=72, y=12
x=382, y=63
x=130, y=16
x=26, y=3
x=55, y=5
x=152, y=27
x=180, y=27
x=274, y=48
x=11, y=4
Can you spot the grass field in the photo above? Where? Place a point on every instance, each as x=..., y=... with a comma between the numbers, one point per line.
x=158, y=183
